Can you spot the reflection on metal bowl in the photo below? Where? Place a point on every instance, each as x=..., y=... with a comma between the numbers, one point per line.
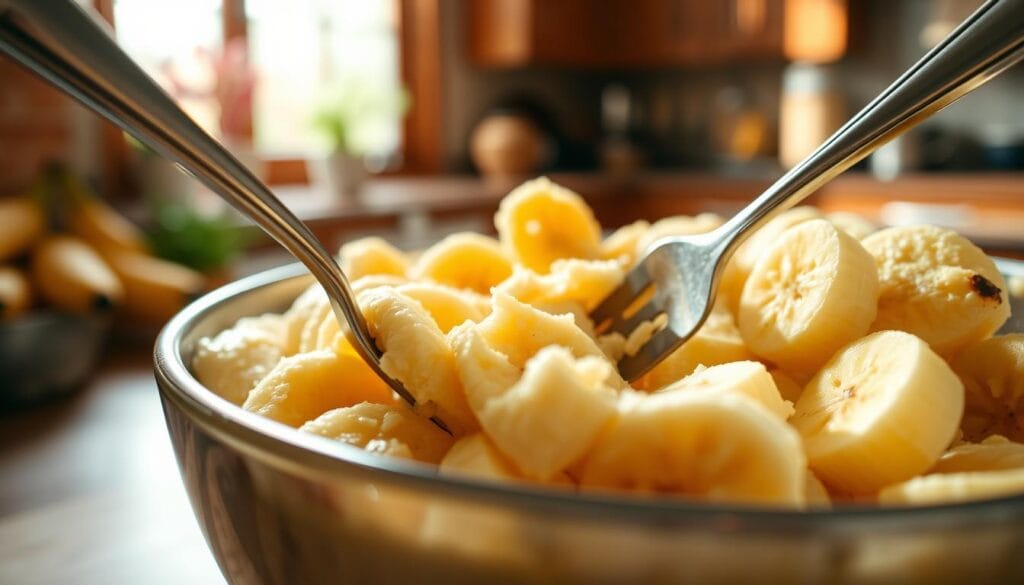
x=278, y=506
x=46, y=354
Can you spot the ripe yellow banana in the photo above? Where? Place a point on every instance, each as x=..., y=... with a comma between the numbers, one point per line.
x=99, y=224
x=154, y=289
x=993, y=375
x=742, y=262
x=72, y=276
x=748, y=378
x=704, y=445
x=881, y=411
x=388, y=429
x=464, y=261
x=21, y=224
x=937, y=285
x=540, y=222
x=811, y=292
x=15, y=293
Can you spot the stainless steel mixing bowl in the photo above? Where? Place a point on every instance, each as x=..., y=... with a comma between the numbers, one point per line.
x=278, y=506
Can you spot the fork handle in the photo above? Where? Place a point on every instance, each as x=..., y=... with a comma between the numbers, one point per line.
x=984, y=45
x=64, y=44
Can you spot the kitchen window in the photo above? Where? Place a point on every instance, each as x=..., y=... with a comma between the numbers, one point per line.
x=255, y=73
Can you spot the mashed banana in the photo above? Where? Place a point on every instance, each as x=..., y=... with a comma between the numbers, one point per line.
x=835, y=366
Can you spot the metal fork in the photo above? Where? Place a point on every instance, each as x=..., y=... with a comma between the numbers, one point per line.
x=67, y=46
x=684, y=271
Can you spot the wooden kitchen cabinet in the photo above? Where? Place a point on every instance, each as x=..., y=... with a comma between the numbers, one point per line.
x=618, y=33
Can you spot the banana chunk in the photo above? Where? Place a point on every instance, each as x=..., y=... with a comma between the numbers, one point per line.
x=811, y=292
x=466, y=261
x=549, y=418
x=540, y=222
x=389, y=429
x=235, y=360
x=881, y=411
x=750, y=379
x=943, y=488
x=417, y=354
x=304, y=386
x=484, y=372
x=718, y=341
x=993, y=454
x=937, y=285
x=993, y=375
x=448, y=306
x=704, y=445
x=622, y=244
x=586, y=282
x=370, y=256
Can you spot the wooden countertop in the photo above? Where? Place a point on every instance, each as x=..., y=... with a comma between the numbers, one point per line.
x=89, y=488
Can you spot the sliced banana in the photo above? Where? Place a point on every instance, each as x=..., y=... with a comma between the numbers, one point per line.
x=678, y=225
x=788, y=388
x=417, y=354
x=448, y=306
x=811, y=292
x=858, y=226
x=586, y=282
x=373, y=255
x=879, y=412
x=235, y=360
x=389, y=429
x=943, y=488
x=621, y=245
x=993, y=375
x=937, y=285
x=484, y=372
x=993, y=454
x=519, y=331
x=304, y=386
x=540, y=222
x=704, y=445
x=738, y=268
x=750, y=379
x=718, y=341
x=466, y=261
x=550, y=416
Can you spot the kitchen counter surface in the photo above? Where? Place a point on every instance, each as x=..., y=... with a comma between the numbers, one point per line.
x=89, y=488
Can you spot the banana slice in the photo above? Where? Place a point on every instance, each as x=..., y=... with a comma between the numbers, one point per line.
x=372, y=255
x=704, y=445
x=750, y=379
x=993, y=454
x=817, y=495
x=879, y=412
x=540, y=222
x=622, y=244
x=417, y=354
x=15, y=293
x=504, y=330
x=466, y=261
x=551, y=416
x=944, y=488
x=586, y=282
x=718, y=341
x=484, y=372
x=937, y=285
x=813, y=291
x=304, y=386
x=858, y=226
x=448, y=306
x=788, y=388
x=235, y=360
x=743, y=259
x=993, y=375
x=389, y=429
x=679, y=225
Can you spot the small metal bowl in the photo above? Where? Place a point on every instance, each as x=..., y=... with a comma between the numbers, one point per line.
x=46, y=354
x=279, y=506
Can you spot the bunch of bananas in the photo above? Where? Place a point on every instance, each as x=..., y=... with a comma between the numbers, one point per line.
x=89, y=259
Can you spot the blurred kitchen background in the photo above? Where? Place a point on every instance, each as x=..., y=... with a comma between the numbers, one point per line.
x=412, y=117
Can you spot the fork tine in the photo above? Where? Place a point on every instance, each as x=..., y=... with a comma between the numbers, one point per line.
x=626, y=326
x=636, y=281
x=663, y=342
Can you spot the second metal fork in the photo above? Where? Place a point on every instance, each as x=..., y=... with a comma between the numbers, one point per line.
x=683, y=272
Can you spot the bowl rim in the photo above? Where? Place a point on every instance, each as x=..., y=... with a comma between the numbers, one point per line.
x=304, y=453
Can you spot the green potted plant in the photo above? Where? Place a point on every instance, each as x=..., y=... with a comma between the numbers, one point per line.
x=349, y=118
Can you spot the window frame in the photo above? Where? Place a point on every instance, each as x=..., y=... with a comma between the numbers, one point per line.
x=420, y=149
